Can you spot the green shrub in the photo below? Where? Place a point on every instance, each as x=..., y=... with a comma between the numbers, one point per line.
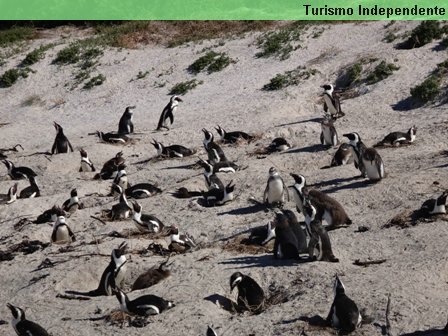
x=428, y=90
x=13, y=35
x=11, y=76
x=94, y=81
x=36, y=55
x=278, y=43
x=183, y=87
x=221, y=62
x=354, y=73
x=68, y=55
x=211, y=61
x=382, y=71
x=288, y=78
x=390, y=37
x=423, y=34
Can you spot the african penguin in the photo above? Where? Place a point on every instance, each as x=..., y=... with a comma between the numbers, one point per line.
x=24, y=327
x=86, y=164
x=109, y=170
x=50, y=215
x=358, y=148
x=125, y=125
x=435, y=206
x=72, y=204
x=286, y=245
x=232, y=137
x=62, y=232
x=145, y=222
x=212, y=181
x=319, y=242
x=61, y=143
x=12, y=193
x=180, y=242
x=172, y=151
x=152, y=276
x=343, y=155
x=214, y=151
x=168, y=113
x=344, y=314
x=122, y=209
x=113, y=138
x=398, y=138
x=297, y=191
x=145, y=305
x=373, y=164
x=250, y=295
x=328, y=136
x=142, y=190
x=18, y=173
x=121, y=178
x=215, y=197
x=331, y=102
x=113, y=275
x=29, y=192
x=211, y=331
x=297, y=229
x=275, y=190
x=261, y=235
x=278, y=145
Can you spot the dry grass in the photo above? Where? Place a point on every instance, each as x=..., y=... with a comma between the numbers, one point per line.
x=238, y=245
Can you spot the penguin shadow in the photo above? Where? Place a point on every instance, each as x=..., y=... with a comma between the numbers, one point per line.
x=407, y=104
x=316, y=120
x=261, y=261
x=353, y=185
x=310, y=149
x=334, y=181
x=251, y=209
x=429, y=332
x=186, y=166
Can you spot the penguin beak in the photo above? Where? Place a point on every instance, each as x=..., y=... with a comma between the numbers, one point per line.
x=178, y=99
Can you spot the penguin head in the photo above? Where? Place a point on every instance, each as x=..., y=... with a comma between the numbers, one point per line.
x=328, y=87
x=169, y=304
x=220, y=131
x=9, y=165
x=338, y=287
x=74, y=192
x=57, y=127
x=175, y=99
x=206, y=165
x=235, y=279
x=119, y=155
x=117, y=189
x=299, y=180
x=173, y=230
x=18, y=314
x=121, y=297
x=281, y=221
x=56, y=211
x=273, y=171
x=309, y=209
x=129, y=109
x=100, y=134
x=12, y=193
x=279, y=144
x=60, y=220
x=120, y=251
x=83, y=153
x=158, y=146
x=208, y=136
x=137, y=207
x=230, y=187
x=211, y=331
x=441, y=200
x=353, y=137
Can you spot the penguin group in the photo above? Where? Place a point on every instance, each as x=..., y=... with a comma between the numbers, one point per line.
x=305, y=240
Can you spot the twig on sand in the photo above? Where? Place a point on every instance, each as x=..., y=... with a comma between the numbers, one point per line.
x=388, y=326
x=72, y=297
x=366, y=263
x=98, y=219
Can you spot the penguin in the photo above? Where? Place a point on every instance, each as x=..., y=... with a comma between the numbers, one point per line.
x=152, y=276
x=144, y=222
x=109, y=170
x=232, y=137
x=121, y=178
x=172, y=151
x=180, y=242
x=331, y=102
x=286, y=245
x=319, y=242
x=278, y=145
x=358, y=148
x=211, y=331
x=125, y=125
x=86, y=164
x=214, y=151
x=435, y=206
x=344, y=314
x=29, y=192
x=398, y=138
x=145, y=305
x=24, y=327
x=168, y=113
x=297, y=229
x=215, y=197
x=262, y=235
x=250, y=294
x=373, y=164
x=343, y=155
x=18, y=173
x=122, y=209
x=12, y=193
x=275, y=189
x=225, y=167
x=328, y=136
x=113, y=275
x=61, y=143
x=211, y=180
x=62, y=232
x=142, y=190
x=72, y=204
x=113, y=138
x=50, y=215
x=328, y=208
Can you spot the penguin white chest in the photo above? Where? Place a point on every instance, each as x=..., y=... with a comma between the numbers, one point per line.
x=334, y=318
x=438, y=209
x=374, y=170
x=62, y=234
x=275, y=192
x=85, y=167
x=298, y=200
x=330, y=138
x=331, y=107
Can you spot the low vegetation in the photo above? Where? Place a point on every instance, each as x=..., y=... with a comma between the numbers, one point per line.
x=288, y=78
x=210, y=62
x=423, y=34
x=363, y=72
x=13, y=35
x=183, y=87
x=381, y=71
x=94, y=81
x=36, y=55
x=10, y=77
x=431, y=88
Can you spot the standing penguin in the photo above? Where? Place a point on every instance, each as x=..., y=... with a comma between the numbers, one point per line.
x=286, y=245
x=167, y=113
x=62, y=232
x=328, y=136
x=331, y=102
x=343, y=155
x=126, y=126
x=214, y=151
x=357, y=147
x=113, y=275
x=275, y=189
x=24, y=327
x=344, y=313
x=86, y=164
x=61, y=143
x=250, y=294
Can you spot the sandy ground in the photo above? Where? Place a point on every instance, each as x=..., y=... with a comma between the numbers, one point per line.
x=416, y=270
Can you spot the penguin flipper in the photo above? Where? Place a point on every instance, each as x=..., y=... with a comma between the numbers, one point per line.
x=70, y=145
x=171, y=116
x=71, y=234
x=325, y=107
x=53, y=149
x=322, y=139
x=131, y=126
